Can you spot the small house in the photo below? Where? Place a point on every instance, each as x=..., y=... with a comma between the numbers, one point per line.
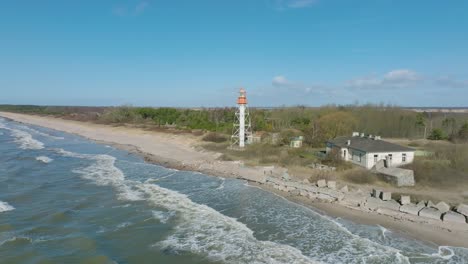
x=367, y=151
x=296, y=142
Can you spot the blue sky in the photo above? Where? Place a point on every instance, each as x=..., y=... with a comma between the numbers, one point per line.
x=199, y=53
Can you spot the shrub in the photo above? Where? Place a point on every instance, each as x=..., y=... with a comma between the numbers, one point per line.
x=437, y=134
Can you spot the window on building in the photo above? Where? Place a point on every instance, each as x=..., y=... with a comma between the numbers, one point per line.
x=376, y=158
x=360, y=157
x=403, y=157
x=390, y=156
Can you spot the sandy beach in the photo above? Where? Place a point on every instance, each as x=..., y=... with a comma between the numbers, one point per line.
x=180, y=151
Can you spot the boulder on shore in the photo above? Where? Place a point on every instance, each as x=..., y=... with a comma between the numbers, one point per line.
x=453, y=217
x=405, y=199
x=321, y=183
x=376, y=193
x=344, y=189
x=411, y=208
x=386, y=196
x=462, y=209
x=431, y=213
x=443, y=207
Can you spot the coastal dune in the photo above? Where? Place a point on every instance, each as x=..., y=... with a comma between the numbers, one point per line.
x=180, y=152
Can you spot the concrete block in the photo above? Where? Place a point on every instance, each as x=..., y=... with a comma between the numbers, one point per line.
x=405, y=199
x=411, y=208
x=325, y=198
x=353, y=199
x=303, y=193
x=312, y=196
x=321, y=183
x=462, y=209
x=372, y=203
x=430, y=204
x=331, y=185
x=376, y=193
x=290, y=189
x=422, y=204
x=443, y=207
x=306, y=181
x=344, y=189
x=386, y=196
x=391, y=204
x=453, y=217
x=431, y=213
x=276, y=186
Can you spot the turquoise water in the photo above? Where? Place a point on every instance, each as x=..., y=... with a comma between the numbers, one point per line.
x=64, y=199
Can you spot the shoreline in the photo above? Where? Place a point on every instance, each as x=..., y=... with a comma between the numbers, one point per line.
x=178, y=152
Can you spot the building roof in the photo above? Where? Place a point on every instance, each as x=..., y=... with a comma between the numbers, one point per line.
x=368, y=144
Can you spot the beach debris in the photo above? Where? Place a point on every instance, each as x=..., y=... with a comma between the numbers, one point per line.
x=462, y=209
x=431, y=213
x=321, y=183
x=331, y=184
x=411, y=208
x=386, y=196
x=454, y=217
x=405, y=199
x=344, y=189
x=443, y=207
x=376, y=193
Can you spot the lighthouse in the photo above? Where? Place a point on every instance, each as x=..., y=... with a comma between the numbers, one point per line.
x=242, y=132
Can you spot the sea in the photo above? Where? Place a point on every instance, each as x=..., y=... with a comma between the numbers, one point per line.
x=65, y=199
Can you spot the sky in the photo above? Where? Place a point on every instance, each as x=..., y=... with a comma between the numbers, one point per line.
x=188, y=53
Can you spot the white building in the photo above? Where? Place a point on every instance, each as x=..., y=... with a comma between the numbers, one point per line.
x=366, y=151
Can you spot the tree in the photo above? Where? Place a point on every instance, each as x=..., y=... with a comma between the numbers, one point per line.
x=421, y=121
x=463, y=132
x=437, y=134
x=450, y=124
x=329, y=126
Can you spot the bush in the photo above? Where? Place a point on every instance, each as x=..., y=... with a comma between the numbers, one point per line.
x=437, y=134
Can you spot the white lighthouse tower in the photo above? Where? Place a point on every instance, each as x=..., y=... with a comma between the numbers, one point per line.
x=242, y=131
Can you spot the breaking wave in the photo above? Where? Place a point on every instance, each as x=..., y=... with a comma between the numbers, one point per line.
x=23, y=138
x=41, y=133
x=4, y=206
x=44, y=159
x=200, y=229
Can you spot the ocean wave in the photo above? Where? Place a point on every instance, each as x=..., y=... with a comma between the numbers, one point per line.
x=23, y=138
x=4, y=206
x=40, y=133
x=44, y=159
x=200, y=229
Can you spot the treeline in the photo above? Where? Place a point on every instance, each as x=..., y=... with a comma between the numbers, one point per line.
x=316, y=124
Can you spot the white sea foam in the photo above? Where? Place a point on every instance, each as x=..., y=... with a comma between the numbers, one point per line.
x=40, y=133
x=163, y=217
x=23, y=138
x=201, y=229
x=444, y=252
x=4, y=206
x=44, y=159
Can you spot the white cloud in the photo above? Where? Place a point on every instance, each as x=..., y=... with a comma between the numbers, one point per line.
x=401, y=78
x=280, y=80
x=135, y=10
